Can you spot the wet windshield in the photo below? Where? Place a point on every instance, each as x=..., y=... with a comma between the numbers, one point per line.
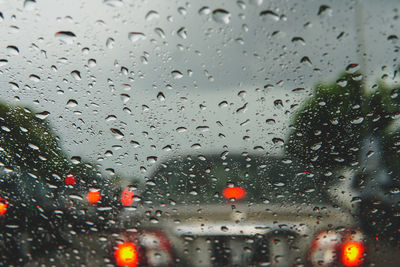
x=199, y=133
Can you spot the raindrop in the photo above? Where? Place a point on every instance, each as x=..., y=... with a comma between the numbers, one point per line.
x=153, y=220
x=42, y=115
x=117, y=133
x=159, y=32
x=152, y=15
x=110, y=43
x=221, y=16
x=76, y=160
x=323, y=8
x=305, y=60
x=13, y=50
x=3, y=62
x=29, y=4
x=278, y=102
x=125, y=98
x=176, y=74
x=205, y=10
x=136, y=36
x=152, y=159
x=161, y=96
x=342, y=82
x=182, y=33
x=196, y=146
x=269, y=14
x=76, y=75
x=72, y=103
x=277, y=141
x=352, y=68
x=114, y=3
x=256, y=2
x=91, y=62
x=34, y=78
x=270, y=121
x=223, y=104
x=298, y=40
x=66, y=36
x=181, y=129
x=357, y=120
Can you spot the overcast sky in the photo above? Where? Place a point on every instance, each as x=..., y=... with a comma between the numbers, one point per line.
x=250, y=54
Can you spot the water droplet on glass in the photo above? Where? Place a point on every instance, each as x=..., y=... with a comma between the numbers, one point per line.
x=269, y=14
x=110, y=43
x=3, y=62
x=324, y=9
x=136, y=36
x=114, y=3
x=152, y=15
x=352, y=68
x=76, y=75
x=256, y=2
x=221, y=16
x=34, y=78
x=278, y=141
x=117, y=133
x=29, y=4
x=160, y=96
x=66, y=37
x=182, y=33
x=91, y=62
x=342, y=82
x=42, y=115
x=76, y=160
x=72, y=103
x=125, y=98
x=205, y=10
x=159, y=32
x=152, y=159
x=13, y=50
x=176, y=74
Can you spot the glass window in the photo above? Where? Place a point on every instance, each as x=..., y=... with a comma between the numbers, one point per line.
x=199, y=133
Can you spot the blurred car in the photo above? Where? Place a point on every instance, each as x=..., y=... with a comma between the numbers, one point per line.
x=238, y=210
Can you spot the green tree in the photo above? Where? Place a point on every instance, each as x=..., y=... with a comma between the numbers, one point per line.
x=331, y=130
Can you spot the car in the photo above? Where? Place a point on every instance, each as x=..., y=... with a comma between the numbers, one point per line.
x=240, y=210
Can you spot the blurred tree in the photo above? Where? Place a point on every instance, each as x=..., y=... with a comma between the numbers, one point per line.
x=344, y=125
x=33, y=171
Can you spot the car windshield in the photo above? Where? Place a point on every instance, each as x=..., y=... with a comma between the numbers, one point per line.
x=199, y=133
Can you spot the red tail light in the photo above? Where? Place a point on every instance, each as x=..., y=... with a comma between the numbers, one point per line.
x=3, y=206
x=332, y=248
x=93, y=196
x=70, y=180
x=126, y=255
x=352, y=253
x=234, y=193
x=127, y=197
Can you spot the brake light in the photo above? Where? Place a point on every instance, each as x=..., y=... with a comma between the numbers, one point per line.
x=332, y=248
x=93, y=196
x=126, y=255
x=234, y=193
x=352, y=253
x=70, y=180
x=127, y=197
x=3, y=206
